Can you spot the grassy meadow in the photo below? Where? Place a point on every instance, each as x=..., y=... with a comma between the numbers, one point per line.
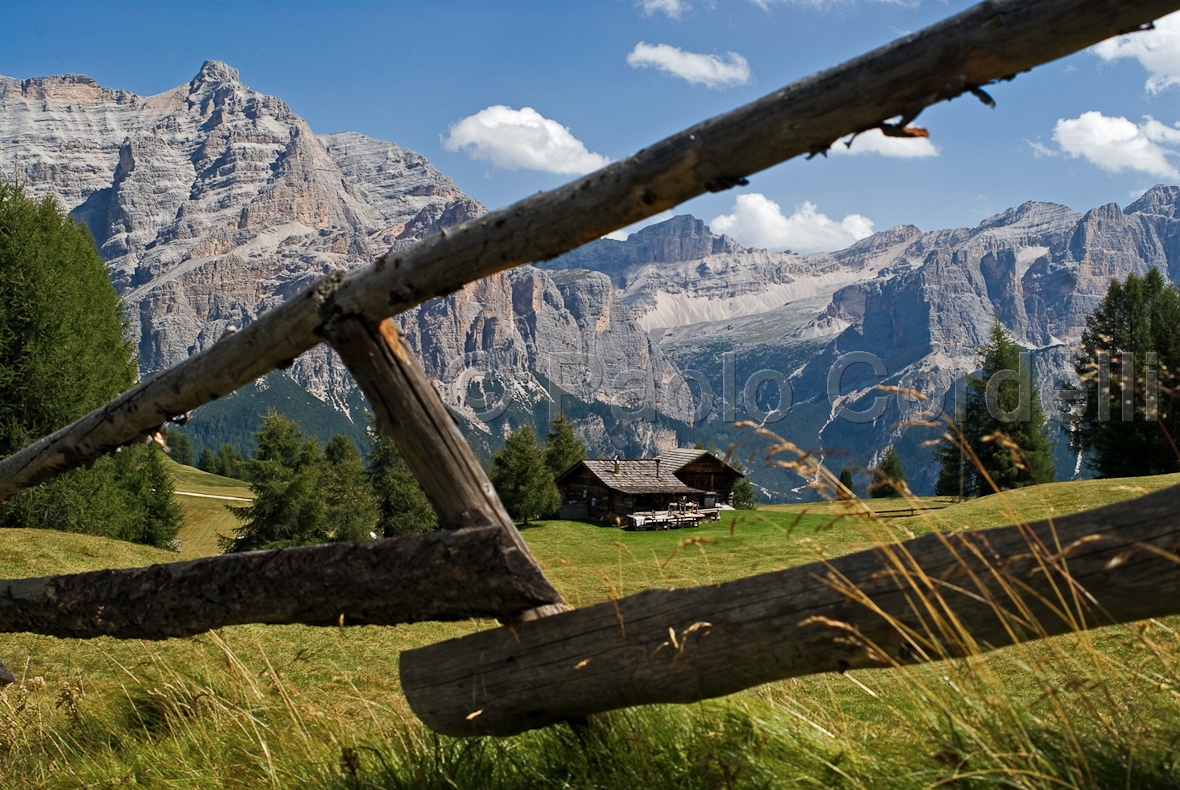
x=290, y=706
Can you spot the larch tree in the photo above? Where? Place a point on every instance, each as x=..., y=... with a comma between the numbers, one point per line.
x=180, y=448
x=348, y=494
x=745, y=496
x=286, y=479
x=64, y=351
x=563, y=448
x=889, y=477
x=522, y=477
x=1002, y=442
x=1129, y=364
x=402, y=506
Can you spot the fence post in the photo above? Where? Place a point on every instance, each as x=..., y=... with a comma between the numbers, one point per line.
x=410, y=410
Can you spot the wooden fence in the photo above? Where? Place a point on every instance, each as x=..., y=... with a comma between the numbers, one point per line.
x=934, y=597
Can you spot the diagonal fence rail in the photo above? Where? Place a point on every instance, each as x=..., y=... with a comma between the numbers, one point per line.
x=938, y=596
x=660, y=645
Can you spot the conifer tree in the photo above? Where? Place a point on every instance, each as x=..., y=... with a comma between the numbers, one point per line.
x=229, y=463
x=522, y=478
x=207, y=462
x=745, y=496
x=402, y=506
x=889, y=478
x=64, y=344
x=1003, y=427
x=286, y=479
x=563, y=448
x=1137, y=318
x=141, y=472
x=180, y=448
x=125, y=496
x=348, y=494
x=846, y=481
x=64, y=351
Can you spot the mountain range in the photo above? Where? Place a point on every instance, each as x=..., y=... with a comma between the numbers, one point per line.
x=212, y=203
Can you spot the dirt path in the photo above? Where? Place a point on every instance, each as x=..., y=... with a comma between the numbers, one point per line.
x=214, y=496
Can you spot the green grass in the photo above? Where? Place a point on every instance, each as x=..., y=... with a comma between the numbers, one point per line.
x=189, y=478
x=1052, y=499
x=258, y=706
x=205, y=519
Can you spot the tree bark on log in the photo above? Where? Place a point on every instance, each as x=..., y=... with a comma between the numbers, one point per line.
x=939, y=596
x=410, y=410
x=991, y=41
x=437, y=576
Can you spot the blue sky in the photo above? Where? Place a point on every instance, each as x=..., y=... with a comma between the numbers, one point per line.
x=1094, y=128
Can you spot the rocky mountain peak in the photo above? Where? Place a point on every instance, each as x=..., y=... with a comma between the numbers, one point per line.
x=66, y=88
x=216, y=72
x=1160, y=200
x=682, y=238
x=891, y=237
x=1030, y=217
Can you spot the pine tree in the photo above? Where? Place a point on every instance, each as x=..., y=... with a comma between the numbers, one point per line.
x=348, y=493
x=180, y=448
x=402, y=506
x=889, y=478
x=1137, y=318
x=745, y=496
x=1008, y=436
x=207, y=462
x=64, y=344
x=846, y=481
x=64, y=351
x=522, y=478
x=286, y=479
x=563, y=448
x=229, y=463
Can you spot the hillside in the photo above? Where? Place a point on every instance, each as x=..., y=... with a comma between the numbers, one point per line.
x=205, y=517
x=292, y=706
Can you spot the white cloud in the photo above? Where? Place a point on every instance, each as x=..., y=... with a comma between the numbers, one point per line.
x=1116, y=144
x=874, y=141
x=708, y=70
x=757, y=221
x=1040, y=150
x=521, y=139
x=1157, y=50
x=673, y=9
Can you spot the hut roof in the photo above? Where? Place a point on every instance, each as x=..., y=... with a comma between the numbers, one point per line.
x=674, y=460
x=635, y=477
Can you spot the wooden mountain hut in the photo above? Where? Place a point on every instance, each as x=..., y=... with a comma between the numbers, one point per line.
x=591, y=489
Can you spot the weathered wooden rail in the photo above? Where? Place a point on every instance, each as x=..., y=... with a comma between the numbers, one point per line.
x=934, y=597
x=451, y=575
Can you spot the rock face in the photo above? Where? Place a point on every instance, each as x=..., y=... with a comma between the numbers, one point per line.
x=212, y=203
x=920, y=303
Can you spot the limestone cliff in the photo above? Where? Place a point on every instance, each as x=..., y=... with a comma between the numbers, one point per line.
x=212, y=202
